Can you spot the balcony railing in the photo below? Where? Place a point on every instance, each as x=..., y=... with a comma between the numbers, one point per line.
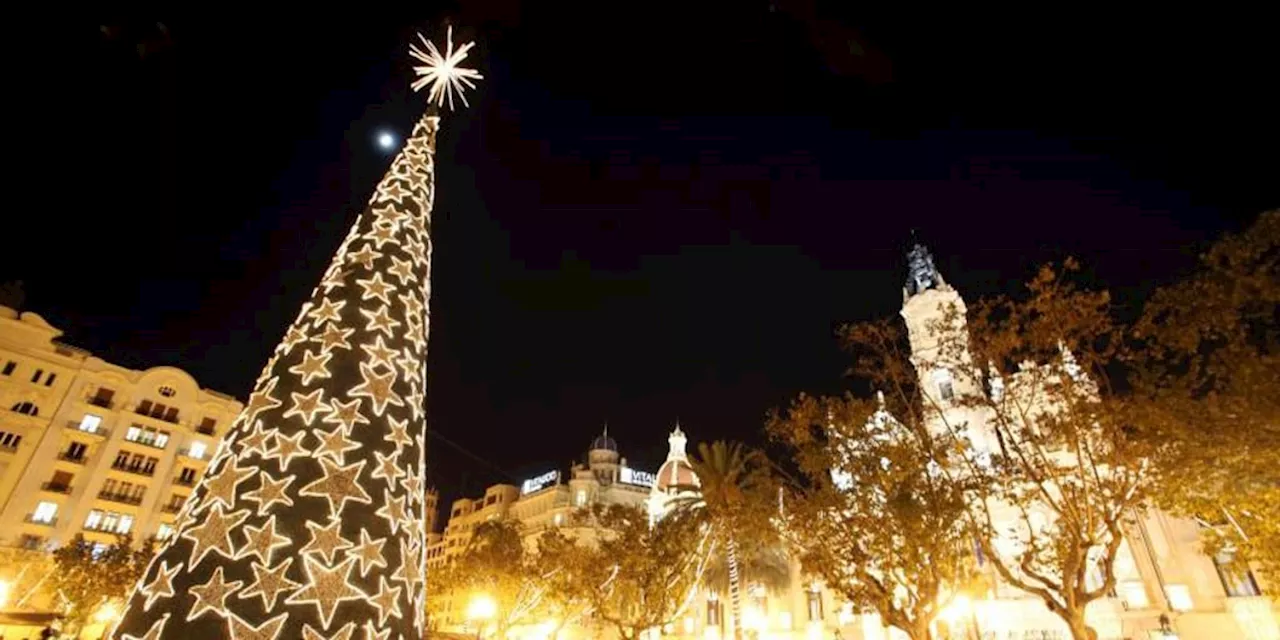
x=185, y=482
x=99, y=431
x=148, y=443
x=43, y=522
x=171, y=419
x=8, y=448
x=69, y=457
x=140, y=470
x=171, y=508
x=122, y=498
x=56, y=487
x=106, y=528
x=203, y=430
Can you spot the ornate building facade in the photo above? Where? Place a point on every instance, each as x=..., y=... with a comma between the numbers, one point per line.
x=93, y=448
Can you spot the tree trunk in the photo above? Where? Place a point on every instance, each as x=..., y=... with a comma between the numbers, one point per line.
x=1080, y=630
x=735, y=589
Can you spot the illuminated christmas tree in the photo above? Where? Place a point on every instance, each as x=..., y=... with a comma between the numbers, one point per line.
x=310, y=520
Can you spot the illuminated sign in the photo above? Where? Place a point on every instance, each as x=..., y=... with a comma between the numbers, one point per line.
x=540, y=482
x=641, y=478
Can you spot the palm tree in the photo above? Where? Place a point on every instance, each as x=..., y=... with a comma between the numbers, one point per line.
x=732, y=496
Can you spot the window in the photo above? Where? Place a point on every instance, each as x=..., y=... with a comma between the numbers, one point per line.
x=166, y=391
x=815, y=604
x=946, y=390
x=164, y=531
x=27, y=408
x=89, y=423
x=30, y=542
x=558, y=519
x=580, y=500
x=61, y=481
x=1179, y=597
x=125, y=524
x=35, y=377
x=94, y=520
x=99, y=548
x=148, y=436
x=45, y=512
x=9, y=367
x=206, y=426
x=490, y=499
x=9, y=440
x=188, y=476
x=1236, y=580
x=48, y=382
x=76, y=451
x=102, y=398
x=196, y=450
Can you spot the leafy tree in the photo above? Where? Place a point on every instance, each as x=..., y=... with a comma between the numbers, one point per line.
x=733, y=497
x=495, y=564
x=1206, y=365
x=89, y=579
x=635, y=576
x=561, y=565
x=876, y=520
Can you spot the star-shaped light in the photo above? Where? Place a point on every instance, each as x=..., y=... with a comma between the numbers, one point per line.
x=263, y=541
x=214, y=534
x=338, y=484
x=241, y=629
x=261, y=400
x=153, y=633
x=161, y=586
x=368, y=552
x=380, y=321
x=388, y=468
x=328, y=311
x=269, y=583
x=326, y=588
x=402, y=270
x=390, y=214
x=386, y=601
x=393, y=510
x=310, y=633
x=292, y=338
x=326, y=541
x=399, y=433
x=312, y=366
x=373, y=633
x=307, y=405
x=378, y=388
x=332, y=338
x=383, y=232
x=255, y=439
x=286, y=449
x=346, y=414
x=334, y=444
x=221, y=487
x=212, y=595
x=271, y=491
x=376, y=287
x=442, y=73
x=380, y=354
x=365, y=256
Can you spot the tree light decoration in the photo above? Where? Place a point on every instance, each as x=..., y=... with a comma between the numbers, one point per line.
x=441, y=72
x=310, y=521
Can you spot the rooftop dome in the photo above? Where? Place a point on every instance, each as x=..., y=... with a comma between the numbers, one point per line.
x=603, y=442
x=675, y=473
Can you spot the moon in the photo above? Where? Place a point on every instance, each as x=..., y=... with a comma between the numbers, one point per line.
x=386, y=140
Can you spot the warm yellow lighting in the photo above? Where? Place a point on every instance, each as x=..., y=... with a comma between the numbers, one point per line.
x=688, y=626
x=441, y=73
x=961, y=607
x=814, y=632
x=481, y=607
x=711, y=632
x=753, y=619
x=5, y=588
x=108, y=612
x=784, y=620
x=1179, y=597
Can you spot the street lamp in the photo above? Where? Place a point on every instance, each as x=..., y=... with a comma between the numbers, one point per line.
x=481, y=609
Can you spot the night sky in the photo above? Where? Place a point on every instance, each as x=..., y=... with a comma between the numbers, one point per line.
x=652, y=210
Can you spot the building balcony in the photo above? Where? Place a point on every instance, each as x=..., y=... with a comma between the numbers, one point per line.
x=105, y=528
x=171, y=418
x=42, y=522
x=142, y=471
x=183, y=482
x=149, y=443
x=75, y=459
x=99, y=432
x=5, y=449
x=171, y=508
x=121, y=498
x=56, y=487
x=205, y=431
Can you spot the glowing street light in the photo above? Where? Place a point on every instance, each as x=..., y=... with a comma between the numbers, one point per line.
x=480, y=610
x=107, y=612
x=5, y=588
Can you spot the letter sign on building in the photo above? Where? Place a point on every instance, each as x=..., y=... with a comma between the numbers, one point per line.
x=539, y=482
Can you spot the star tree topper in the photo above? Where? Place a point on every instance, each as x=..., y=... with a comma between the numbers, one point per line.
x=441, y=74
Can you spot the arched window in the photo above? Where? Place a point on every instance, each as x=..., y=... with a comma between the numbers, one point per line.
x=27, y=408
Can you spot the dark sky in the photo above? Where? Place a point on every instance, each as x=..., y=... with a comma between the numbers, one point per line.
x=652, y=210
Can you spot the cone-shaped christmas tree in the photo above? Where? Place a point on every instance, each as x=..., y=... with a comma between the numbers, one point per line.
x=310, y=520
